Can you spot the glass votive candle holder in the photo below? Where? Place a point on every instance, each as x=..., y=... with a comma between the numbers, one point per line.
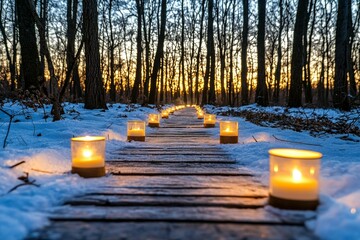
x=209, y=120
x=229, y=132
x=136, y=130
x=200, y=114
x=164, y=114
x=294, y=178
x=88, y=156
x=154, y=120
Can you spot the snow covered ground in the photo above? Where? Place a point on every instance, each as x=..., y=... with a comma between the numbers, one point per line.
x=45, y=147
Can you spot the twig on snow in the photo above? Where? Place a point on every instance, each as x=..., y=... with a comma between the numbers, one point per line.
x=8, y=130
x=283, y=140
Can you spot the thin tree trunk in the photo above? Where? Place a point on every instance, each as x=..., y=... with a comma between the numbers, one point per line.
x=182, y=58
x=261, y=96
x=135, y=90
x=197, y=95
x=159, y=54
x=279, y=55
x=244, y=46
x=211, y=49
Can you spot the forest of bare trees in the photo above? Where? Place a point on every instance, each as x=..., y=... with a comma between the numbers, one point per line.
x=224, y=52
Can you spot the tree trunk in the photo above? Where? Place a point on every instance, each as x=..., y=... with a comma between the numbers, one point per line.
x=211, y=49
x=8, y=56
x=159, y=54
x=350, y=62
x=261, y=96
x=231, y=58
x=182, y=58
x=112, y=56
x=135, y=90
x=29, y=51
x=244, y=46
x=94, y=89
x=340, y=97
x=295, y=93
x=72, y=8
x=197, y=94
x=279, y=55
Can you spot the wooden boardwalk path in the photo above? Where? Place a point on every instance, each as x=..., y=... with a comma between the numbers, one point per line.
x=179, y=184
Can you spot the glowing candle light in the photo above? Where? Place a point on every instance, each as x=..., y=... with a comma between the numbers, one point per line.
x=294, y=182
x=229, y=132
x=164, y=114
x=209, y=120
x=154, y=120
x=136, y=131
x=88, y=156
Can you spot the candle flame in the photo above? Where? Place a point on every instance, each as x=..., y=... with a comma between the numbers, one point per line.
x=312, y=171
x=87, y=153
x=227, y=130
x=276, y=168
x=353, y=210
x=296, y=174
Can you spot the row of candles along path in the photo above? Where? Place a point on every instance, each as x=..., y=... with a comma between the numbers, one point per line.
x=294, y=173
x=229, y=130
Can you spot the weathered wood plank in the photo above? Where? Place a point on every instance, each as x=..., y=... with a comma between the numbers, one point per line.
x=168, y=200
x=172, y=153
x=78, y=230
x=184, y=186
x=137, y=159
x=167, y=169
x=171, y=214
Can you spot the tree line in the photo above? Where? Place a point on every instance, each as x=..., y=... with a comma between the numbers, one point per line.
x=226, y=52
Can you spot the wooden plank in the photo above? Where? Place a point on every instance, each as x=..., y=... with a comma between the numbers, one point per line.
x=183, y=186
x=201, y=167
x=191, y=153
x=168, y=200
x=170, y=214
x=119, y=169
x=136, y=159
x=79, y=230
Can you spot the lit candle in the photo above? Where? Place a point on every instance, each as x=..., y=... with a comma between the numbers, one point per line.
x=295, y=187
x=209, y=120
x=136, y=130
x=154, y=120
x=165, y=114
x=88, y=156
x=229, y=132
x=294, y=182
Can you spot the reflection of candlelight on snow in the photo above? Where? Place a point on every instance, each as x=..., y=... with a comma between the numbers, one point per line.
x=294, y=180
x=88, y=156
